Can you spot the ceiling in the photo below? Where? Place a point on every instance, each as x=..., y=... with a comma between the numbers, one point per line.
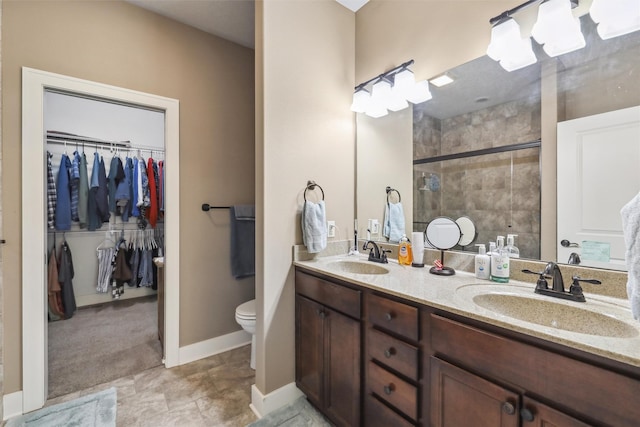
x=229, y=19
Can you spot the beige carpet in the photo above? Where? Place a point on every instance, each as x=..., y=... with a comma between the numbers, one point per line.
x=103, y=343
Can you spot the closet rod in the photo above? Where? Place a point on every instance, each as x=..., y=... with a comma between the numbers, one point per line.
x=69, y=137
x=122, y=145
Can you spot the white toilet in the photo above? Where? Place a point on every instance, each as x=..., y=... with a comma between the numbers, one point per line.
x=246, y=317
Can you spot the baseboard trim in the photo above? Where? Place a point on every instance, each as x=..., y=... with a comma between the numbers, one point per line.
x=200, y=350
x=262, y=404
x=11, y=405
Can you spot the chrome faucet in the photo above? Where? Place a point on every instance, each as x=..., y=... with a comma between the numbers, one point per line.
x=375, y=253
x=552, y=271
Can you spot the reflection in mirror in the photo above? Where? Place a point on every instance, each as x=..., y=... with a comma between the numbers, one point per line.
x=487, y=107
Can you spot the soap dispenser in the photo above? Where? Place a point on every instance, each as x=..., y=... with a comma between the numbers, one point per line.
x=511, y=248
x=482, y=263
x=405, y=256
x=500, y=263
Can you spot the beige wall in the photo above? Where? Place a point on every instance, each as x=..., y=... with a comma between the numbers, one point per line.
x=307, y=50
x=119, y=44
x=386, y=138
x=437, y=34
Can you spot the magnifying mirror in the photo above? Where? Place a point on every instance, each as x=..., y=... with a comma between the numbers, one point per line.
x=467, y=229
x=443, y=233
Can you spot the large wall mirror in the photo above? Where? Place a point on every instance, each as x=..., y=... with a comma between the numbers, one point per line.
x=476, y=151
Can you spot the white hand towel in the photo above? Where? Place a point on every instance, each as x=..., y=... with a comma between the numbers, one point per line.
x=393, y=227
x=631, y=230
x=314, y=226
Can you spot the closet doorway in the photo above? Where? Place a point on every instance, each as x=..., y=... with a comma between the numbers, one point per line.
x=36, y=86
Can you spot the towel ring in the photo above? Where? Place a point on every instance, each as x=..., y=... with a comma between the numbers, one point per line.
x=389, y=190
x=311, y=185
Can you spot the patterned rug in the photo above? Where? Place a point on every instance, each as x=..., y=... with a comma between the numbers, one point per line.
x=93, y=410
x=300, y=413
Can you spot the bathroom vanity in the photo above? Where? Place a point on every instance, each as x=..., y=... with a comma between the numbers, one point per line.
x=402, y=348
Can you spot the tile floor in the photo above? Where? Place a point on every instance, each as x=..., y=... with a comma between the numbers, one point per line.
x=215, y=391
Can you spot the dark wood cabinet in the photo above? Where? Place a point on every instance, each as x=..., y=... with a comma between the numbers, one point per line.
x=575, y=393
x=459, y=398
x=328, y=345
x=368, y=359
x=392, y=360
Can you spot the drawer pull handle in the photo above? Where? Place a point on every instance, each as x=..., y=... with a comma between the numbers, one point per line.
x=388, y=317
x=527, y=415
x=389, y=352
x=321, y=313
x=388, y=389
x=508, y=408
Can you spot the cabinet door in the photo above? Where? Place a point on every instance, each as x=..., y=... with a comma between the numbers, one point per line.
x=536, y=414
x=459, y=398
x=309, y=348
x=342, y=367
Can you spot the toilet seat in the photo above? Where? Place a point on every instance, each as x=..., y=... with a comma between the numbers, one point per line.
x=247, y=310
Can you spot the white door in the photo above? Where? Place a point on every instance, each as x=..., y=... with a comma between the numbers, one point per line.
x=34, y=233
x=590, y=196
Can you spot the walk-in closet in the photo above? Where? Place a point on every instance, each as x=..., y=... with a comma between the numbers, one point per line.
x=105, y=169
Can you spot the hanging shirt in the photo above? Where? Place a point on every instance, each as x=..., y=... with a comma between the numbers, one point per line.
x=135, y=211
x=102, y=196
x=63, y=202
x=65, y=276
x=93, y=218
x=51, y=194
x=116, y=176
x=152, y=212
x=74, y=182
x=121, y=195
x=83, y=191
x=161, y=181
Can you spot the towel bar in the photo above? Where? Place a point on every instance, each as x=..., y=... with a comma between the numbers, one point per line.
x=207, y=207
x=311, y=185
x=389, y=190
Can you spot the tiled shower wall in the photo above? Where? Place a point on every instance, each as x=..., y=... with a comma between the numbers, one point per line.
x=499, y=192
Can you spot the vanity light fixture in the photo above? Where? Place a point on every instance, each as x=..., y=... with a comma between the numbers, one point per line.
x=509, y=47
x=557, y=29
x=615, y=17
x=392, y=90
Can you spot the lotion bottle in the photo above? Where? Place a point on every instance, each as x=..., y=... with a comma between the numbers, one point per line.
x=511, y=248
x=482, y=263
x=405, y=256
x=500, y=263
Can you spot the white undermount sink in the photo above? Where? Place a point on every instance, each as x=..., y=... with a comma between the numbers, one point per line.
x=358, y=267
x=592, y=318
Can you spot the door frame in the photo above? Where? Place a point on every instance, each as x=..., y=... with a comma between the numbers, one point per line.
x=34, y=231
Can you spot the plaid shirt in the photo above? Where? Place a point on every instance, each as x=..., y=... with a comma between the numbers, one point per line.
x=51, y=194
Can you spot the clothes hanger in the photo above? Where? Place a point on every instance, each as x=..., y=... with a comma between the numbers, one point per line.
x=108, y=239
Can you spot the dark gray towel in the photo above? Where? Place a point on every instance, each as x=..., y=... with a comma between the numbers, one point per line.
x=243, y=241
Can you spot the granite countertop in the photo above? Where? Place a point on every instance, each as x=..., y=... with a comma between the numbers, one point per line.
x=455, y=294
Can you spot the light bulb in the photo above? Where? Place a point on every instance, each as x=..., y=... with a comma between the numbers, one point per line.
x=361, y=98
x=557, y=29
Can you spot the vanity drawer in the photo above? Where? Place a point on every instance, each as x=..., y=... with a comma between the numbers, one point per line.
x=393, y=316
x=377, y=414
x=394, y=353
x=393, y=389
x=338, y=297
